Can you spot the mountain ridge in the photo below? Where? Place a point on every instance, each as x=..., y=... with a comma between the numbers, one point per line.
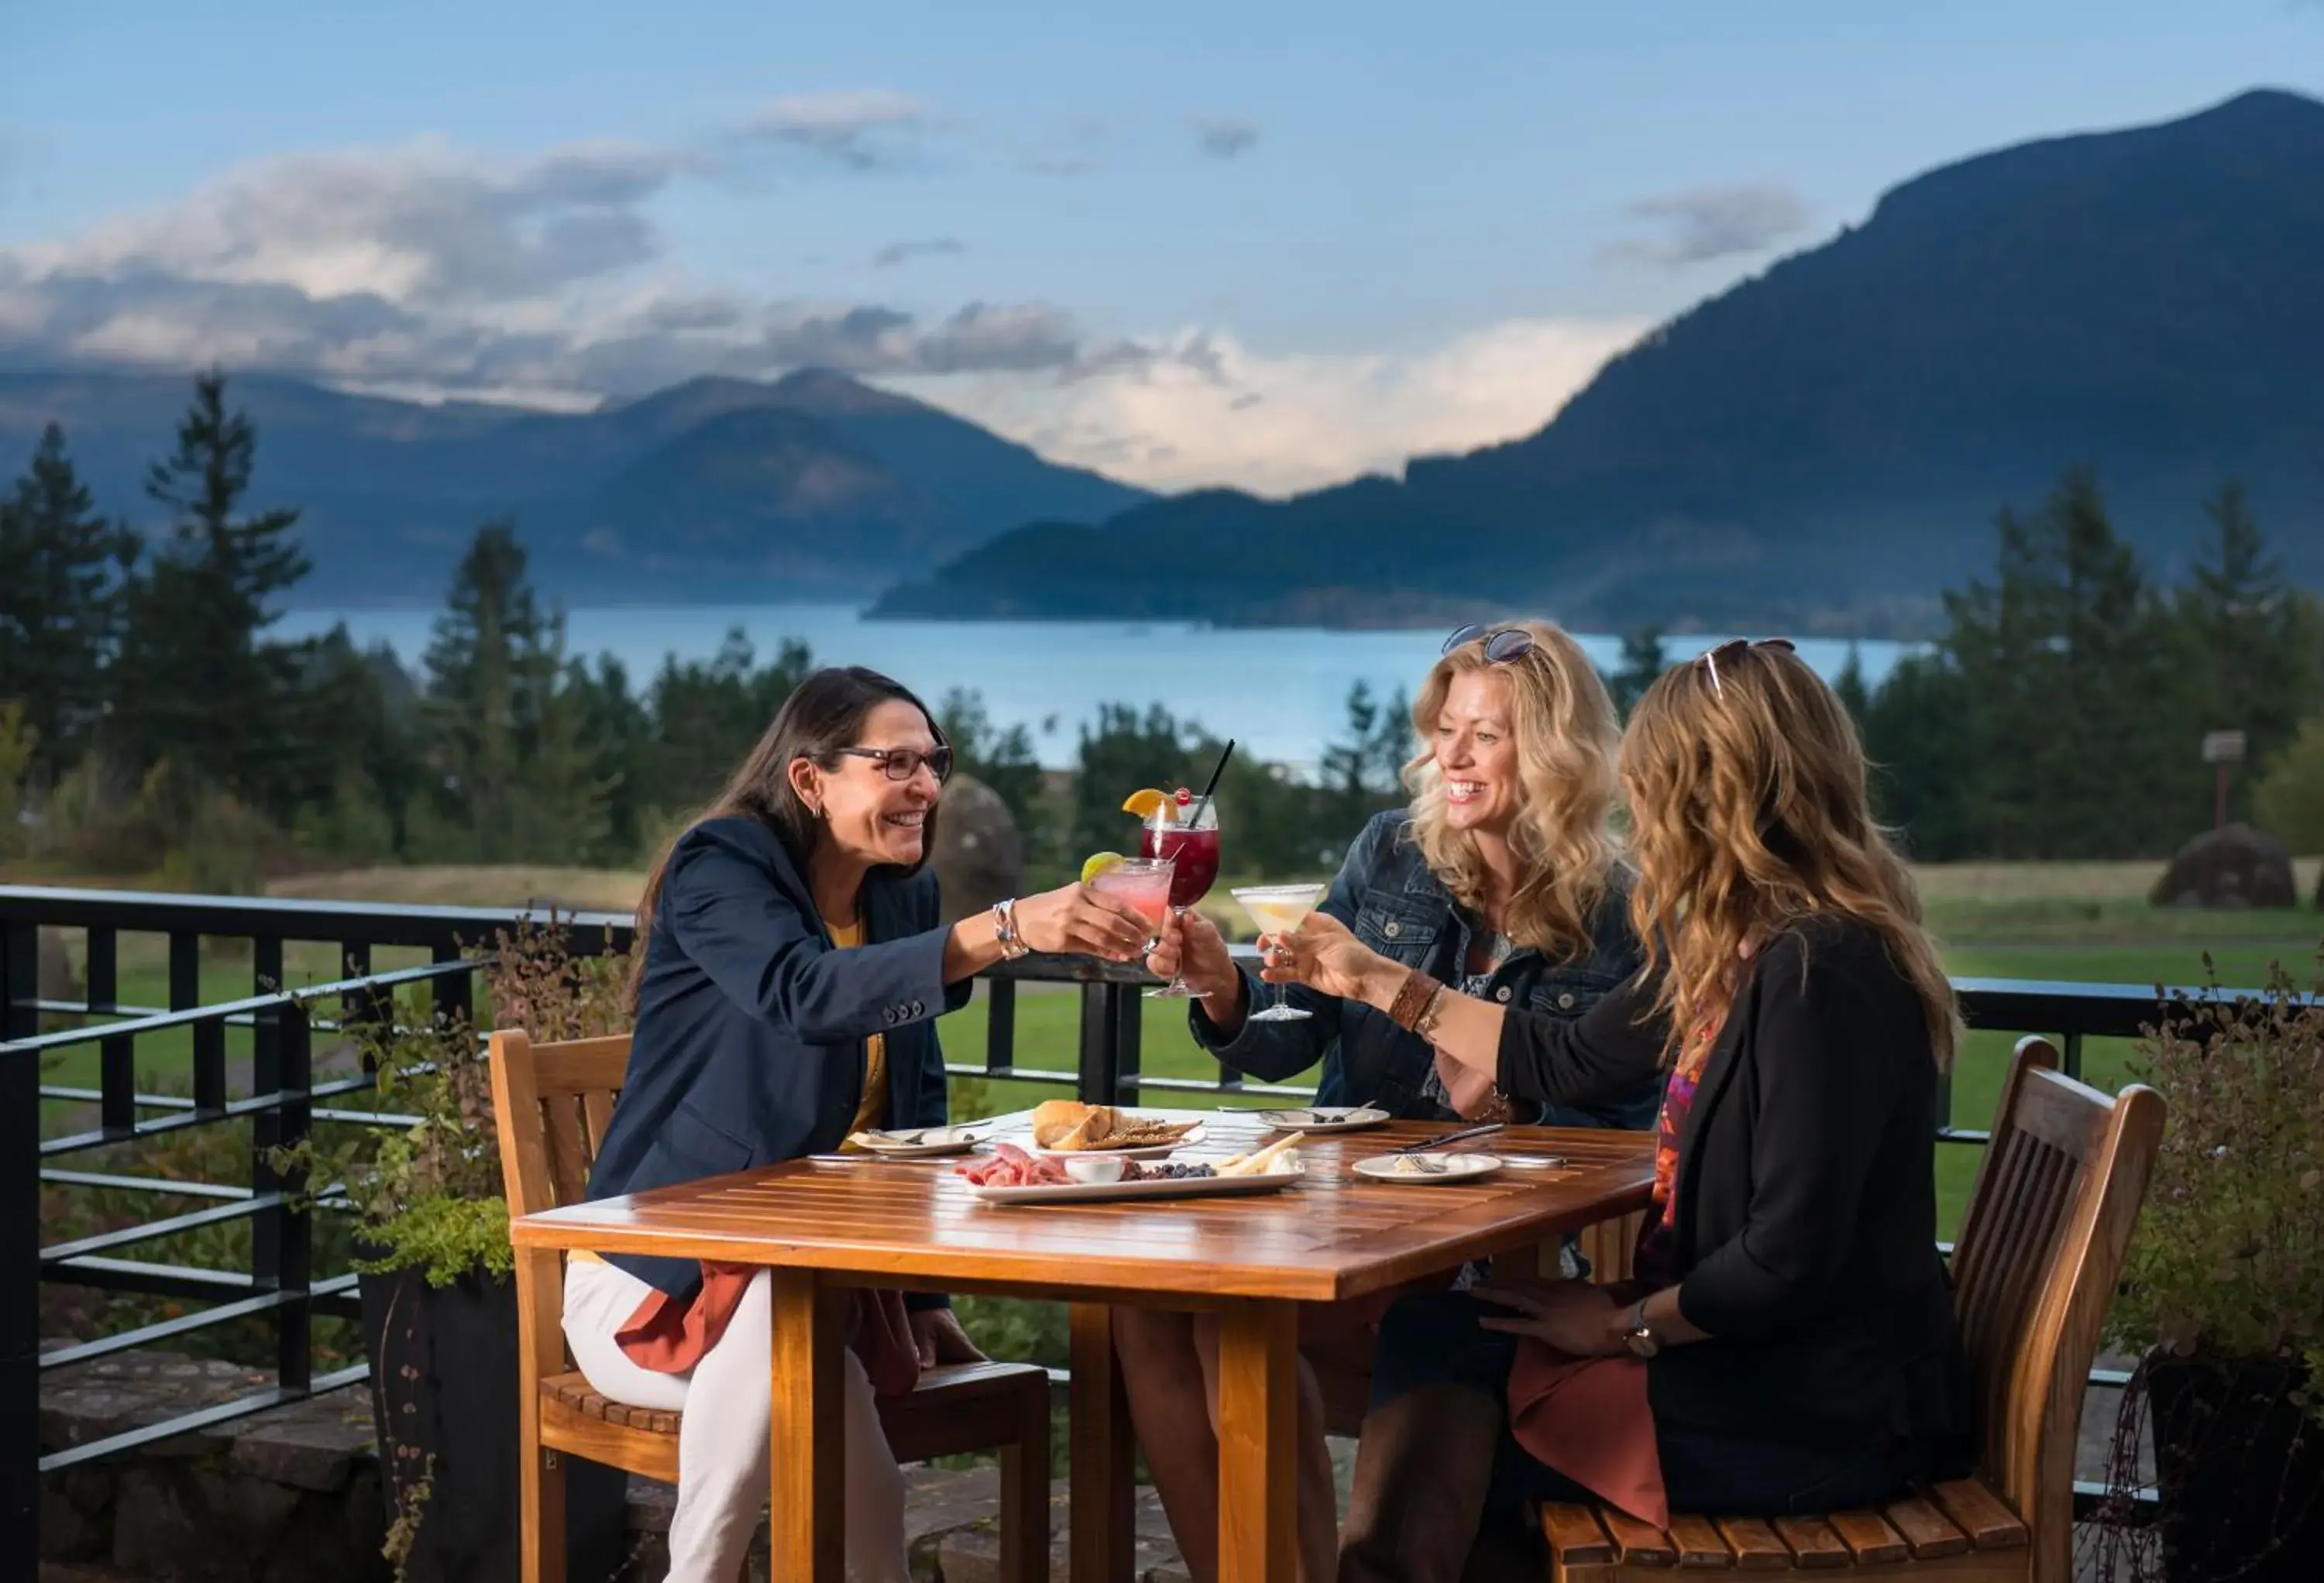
x=1826, y=443
x=812, y=486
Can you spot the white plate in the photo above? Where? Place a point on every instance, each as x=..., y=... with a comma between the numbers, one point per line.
x=1154, y=1152
x=1093, y=1193
x=1324, y=1119
x=925, y=1142
x=1457, y=1168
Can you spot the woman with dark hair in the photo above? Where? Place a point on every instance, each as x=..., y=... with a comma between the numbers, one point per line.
x=793, y=969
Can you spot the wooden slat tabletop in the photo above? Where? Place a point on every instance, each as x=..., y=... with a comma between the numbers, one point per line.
x=1334, y=1236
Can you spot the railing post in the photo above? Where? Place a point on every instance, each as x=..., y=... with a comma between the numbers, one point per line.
x=282, y=1254
x=20, y=1256
x=1128, y=1034
x=1094, y=1078
x=1000, y=1024
x=453, y=994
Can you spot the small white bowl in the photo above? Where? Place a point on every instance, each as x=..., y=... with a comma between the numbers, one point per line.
x=1094, y=1169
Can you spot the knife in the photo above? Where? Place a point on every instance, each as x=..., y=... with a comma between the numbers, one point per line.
x=1461, y=1137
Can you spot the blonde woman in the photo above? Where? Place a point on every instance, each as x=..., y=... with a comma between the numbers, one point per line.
x=1500, y=877
x=1788, y=1344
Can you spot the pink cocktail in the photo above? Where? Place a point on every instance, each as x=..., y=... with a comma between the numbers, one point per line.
x=1145, y=884
x=1192, y=851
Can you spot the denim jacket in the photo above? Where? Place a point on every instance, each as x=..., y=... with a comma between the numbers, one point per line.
x=1387, y=895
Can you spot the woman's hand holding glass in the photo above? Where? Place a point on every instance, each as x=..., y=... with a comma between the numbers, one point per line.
x=1322, y=954
x=1192, y=944
x=1075, y=920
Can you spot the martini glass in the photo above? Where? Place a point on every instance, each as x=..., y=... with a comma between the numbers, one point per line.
x=1193, y=849
x=1278, y=909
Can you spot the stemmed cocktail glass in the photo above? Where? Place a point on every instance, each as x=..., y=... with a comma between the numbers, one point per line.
x=1192, y=847
x=1278, y=909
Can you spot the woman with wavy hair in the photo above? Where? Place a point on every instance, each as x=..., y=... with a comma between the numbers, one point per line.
x=1502, y=876
x=1787, y=1344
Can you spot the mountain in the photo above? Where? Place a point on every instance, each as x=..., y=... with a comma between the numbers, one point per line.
x=813, y=486
x=1824, y=446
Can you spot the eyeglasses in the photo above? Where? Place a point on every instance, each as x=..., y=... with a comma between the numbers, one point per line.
x=1502, y=644
x=1709, y=657
x=903, y=763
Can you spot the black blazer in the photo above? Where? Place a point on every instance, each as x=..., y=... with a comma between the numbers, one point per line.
x=749, y=1045
x=1807, y=1215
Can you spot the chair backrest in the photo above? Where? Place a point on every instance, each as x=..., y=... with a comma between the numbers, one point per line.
x=551, y=1104
x=2034, y=1269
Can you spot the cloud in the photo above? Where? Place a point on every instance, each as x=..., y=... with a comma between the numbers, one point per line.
x=419, y=222
x=1712, y=222
x=897, y=253
x=1201, y=409
x=863, y=129
x=1225, y=137
x=422, y=269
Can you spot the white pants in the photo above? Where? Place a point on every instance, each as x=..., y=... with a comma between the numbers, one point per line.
x=722, y=1440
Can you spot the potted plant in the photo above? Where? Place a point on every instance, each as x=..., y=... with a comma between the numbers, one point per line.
x=2223, y=1295
x=433, y=1264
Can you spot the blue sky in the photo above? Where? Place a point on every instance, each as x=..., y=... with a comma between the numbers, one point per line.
x=1263, y=243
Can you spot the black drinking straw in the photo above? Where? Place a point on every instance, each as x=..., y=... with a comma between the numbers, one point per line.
x=1194, y=821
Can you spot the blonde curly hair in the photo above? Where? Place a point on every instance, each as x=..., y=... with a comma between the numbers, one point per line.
x=1566, y=734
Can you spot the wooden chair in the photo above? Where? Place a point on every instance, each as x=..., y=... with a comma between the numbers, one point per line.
x=2033, y=1272
x=551, y=1104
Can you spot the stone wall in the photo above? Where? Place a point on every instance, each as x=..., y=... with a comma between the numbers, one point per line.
x=292, y=1495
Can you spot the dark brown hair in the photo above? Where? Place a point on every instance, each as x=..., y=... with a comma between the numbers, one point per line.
x=825, y=713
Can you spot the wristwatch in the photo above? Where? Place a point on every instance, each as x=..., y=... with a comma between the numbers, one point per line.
x=1639, y=1336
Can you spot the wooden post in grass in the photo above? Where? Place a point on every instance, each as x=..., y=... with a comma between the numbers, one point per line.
x=2221, y=749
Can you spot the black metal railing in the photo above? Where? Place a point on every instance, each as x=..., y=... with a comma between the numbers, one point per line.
x=285, y=1099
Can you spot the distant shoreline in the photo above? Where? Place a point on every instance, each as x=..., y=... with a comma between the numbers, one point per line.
x=867, y=611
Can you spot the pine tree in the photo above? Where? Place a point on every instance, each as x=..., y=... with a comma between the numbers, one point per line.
x=2252, y=637
x=62, y=572
x=1361, y=773
x=1849, y=688
x=1644, y=660
x=2067, y=750
x=1001, y=758
x=706, y=715
x=515, y=776
x=210, y=690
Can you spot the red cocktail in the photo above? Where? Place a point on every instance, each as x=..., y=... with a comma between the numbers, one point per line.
x=1192, y=851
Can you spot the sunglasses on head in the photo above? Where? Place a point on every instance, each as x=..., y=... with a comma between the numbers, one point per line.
x=903, y=763
x=1502, y=644
x=1730, y=650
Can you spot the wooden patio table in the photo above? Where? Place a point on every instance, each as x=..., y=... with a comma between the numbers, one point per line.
x=823, y=1228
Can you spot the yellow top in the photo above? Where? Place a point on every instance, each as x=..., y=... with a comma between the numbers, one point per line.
x=875, y=1108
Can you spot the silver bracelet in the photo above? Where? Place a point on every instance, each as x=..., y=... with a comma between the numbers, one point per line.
x=1004, y=930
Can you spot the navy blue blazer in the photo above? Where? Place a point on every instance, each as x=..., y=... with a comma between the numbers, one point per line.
x=751, y=1023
